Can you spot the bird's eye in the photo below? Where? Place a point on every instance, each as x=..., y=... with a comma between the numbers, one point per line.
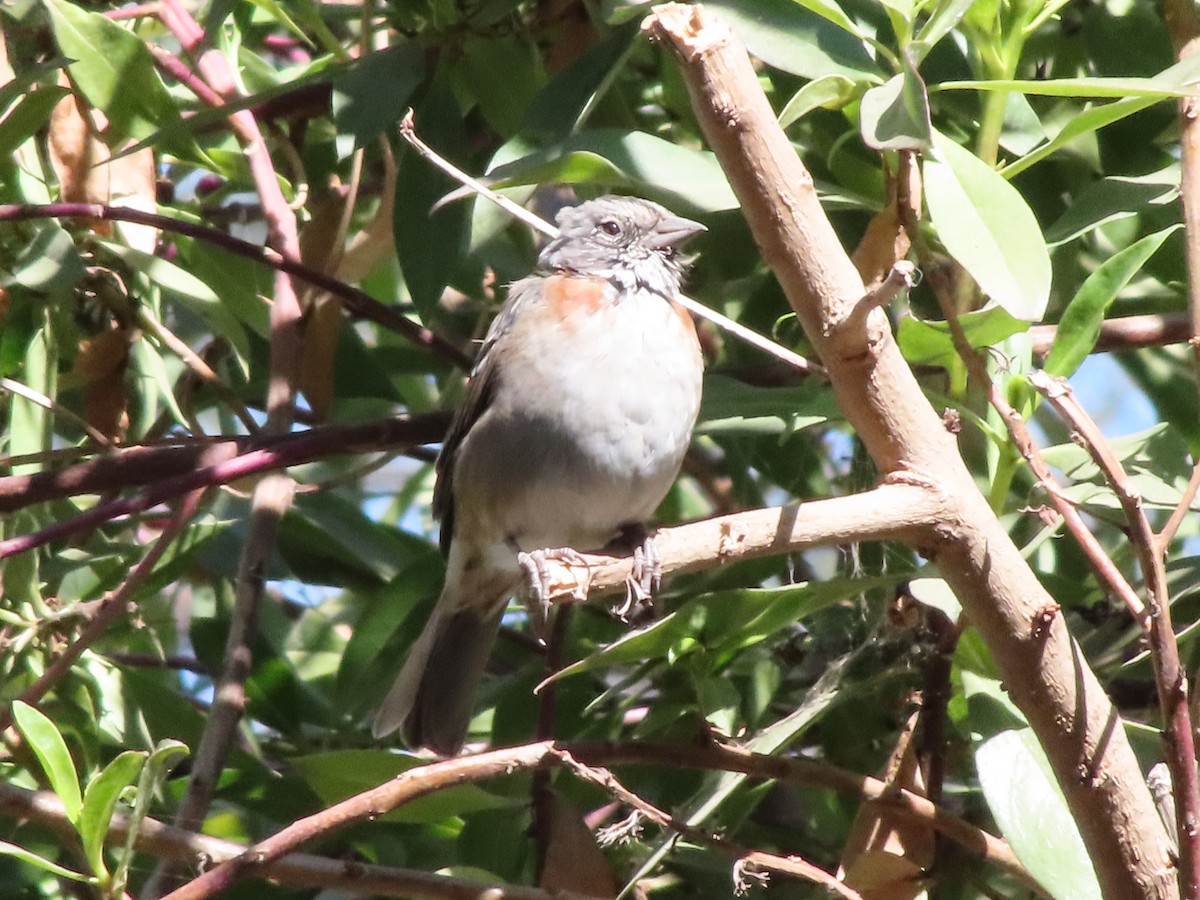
x=609, y=227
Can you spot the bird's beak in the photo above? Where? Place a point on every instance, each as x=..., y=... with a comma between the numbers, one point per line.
x=673, y=231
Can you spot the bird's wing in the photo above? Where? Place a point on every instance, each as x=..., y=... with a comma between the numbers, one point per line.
x=480, y=387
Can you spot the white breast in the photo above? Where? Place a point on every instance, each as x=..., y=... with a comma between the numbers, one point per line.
x=587, y=428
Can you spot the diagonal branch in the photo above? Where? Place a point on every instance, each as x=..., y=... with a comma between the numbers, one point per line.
x=1169, y=676
x=358, y=302
x=1041, y=666
x=745, y=858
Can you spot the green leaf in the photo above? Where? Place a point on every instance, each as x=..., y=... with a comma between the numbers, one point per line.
x=1080, y=324
x=725, y=621
x=185, y=288
x=684, y=179
x=50, y=749
x=28, y=856
x=430, y=244
x=116, y=74
x=936, y=594
x=1022, y=793
x=1084, y=123
x=809, y=42
x=99, y=801
x=339, y=774
x=43, y=74
x=29, y=116
x=729, y=405
x=361, y=111
x=895, y=115
x=937, y=26
x=165, y=754
x=1112, y=199
x=1156, y=461
x=502, y=101
x=988, y=228
x=564, y=103
x=826, y=92
x=149, y=364
x=49, y=263
x=930, y=343
x=1096, y=88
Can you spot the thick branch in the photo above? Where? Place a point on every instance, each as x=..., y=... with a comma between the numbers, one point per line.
x=1042, y=668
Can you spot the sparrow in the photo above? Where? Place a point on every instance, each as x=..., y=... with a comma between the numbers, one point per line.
x=577, y=415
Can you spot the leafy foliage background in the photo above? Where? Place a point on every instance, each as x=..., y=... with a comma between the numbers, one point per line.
x=822, y=654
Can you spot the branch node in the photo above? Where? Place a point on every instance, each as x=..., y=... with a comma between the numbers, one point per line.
x=747, y=875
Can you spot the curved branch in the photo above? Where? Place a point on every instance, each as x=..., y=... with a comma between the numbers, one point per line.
x=358, y=302
x=259, y=859
x=299, y=869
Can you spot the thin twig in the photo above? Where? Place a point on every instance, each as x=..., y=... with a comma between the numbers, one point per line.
x=744, y=857
x=139, y=465
x=51, y=405
x=1169, y=676
x=1100, y=561
x=287, y=452
x=408, y=132
x=1179, y=514
x=114, y=604
x=1125, y=333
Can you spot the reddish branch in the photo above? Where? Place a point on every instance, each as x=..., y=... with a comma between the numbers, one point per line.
x=358, y=302
x=299, y=870
x=146, y=465
x=404, y=431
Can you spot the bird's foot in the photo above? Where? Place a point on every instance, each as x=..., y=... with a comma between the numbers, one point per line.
x=646, y=575
x=553, y=576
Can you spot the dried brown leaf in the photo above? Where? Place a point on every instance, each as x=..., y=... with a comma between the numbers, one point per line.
x=574, y=861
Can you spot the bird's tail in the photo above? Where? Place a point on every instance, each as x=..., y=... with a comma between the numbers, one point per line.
x=434, y=694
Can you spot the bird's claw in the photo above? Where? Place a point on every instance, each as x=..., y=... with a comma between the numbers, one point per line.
x=644, y=579
x=553, y=576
